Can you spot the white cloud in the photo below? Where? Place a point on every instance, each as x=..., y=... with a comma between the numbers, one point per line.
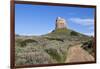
x=85, y=22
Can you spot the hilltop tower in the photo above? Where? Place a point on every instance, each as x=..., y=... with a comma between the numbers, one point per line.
x=60, y=23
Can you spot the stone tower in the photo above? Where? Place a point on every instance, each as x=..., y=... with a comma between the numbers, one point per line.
x=60, y=23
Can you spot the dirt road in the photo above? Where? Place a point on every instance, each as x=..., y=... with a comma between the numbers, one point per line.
x=77, y=54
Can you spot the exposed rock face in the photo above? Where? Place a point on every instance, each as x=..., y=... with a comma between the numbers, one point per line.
x=60, y=23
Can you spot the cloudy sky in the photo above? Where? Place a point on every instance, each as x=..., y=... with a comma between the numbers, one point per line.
x=40, y=19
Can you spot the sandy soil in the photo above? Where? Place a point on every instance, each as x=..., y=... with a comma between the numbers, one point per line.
x=77, y=54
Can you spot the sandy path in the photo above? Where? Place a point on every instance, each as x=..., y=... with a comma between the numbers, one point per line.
x=77, y=54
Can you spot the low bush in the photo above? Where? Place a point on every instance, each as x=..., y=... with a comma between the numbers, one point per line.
x=88, y=46
x=54, y=54
x=25, y=42
x=58, y=39
x=73, y=33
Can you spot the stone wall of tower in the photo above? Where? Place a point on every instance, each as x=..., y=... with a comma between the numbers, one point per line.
x=60, y=23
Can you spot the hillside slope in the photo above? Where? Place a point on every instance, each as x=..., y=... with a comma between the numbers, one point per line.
x=50, y=48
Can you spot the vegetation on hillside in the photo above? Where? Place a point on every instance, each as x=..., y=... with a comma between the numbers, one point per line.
x=88, y=46
x=47, y=49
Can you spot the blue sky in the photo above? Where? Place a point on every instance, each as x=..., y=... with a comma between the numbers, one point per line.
x=40, y=19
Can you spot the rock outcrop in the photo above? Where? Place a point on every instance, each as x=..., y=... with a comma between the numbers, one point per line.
x=60, y=23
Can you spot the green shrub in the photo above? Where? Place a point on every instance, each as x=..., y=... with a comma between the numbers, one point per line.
x=73, y=33
x=54, y=54
x=88, y=46
x=25, y=42
x=58, y=39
